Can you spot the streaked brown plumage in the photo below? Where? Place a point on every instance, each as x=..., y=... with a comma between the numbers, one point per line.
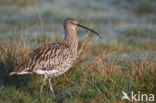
x=53, y=59
x=53, y=56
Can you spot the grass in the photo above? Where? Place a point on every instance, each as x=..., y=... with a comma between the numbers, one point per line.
x=95, y=76
x=124, y=62
x=18, y=2
x=144, y=9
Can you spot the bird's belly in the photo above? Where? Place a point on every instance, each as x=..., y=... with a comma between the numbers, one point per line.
x=55, y=71
x=54, y=68
x=63, y=68
x=65, y=65
x=45, y=72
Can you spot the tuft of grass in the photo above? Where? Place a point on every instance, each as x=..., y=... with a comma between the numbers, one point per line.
x=95, y=77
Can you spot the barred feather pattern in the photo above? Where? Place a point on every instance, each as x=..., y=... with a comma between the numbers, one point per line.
x=52, y=59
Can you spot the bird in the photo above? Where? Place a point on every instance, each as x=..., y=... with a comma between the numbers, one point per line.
x=53, y=59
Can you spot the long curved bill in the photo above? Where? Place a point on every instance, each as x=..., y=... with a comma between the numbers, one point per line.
x=89, y=30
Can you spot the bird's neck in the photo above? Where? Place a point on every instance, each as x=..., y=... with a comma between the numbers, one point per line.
x=71, y=38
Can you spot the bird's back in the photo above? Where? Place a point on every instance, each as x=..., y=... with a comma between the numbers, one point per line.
x=53, y=58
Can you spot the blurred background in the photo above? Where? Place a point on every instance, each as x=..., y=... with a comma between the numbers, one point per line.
x=120, y=22
x=124, y=59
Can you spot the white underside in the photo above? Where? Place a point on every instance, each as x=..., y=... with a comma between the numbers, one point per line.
x=22, y=73
x=44, y=72
x=40, y=72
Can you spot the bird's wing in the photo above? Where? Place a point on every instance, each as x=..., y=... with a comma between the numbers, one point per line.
x=44, y=57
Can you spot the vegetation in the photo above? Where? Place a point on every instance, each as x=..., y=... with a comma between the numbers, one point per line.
x=124, y=60
x=95, y=77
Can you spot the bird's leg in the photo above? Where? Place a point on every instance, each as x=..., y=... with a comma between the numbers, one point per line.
x=42, y=84
x=51, y=88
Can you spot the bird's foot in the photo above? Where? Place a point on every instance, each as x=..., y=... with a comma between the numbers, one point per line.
x=53, y=95
x=40, y=91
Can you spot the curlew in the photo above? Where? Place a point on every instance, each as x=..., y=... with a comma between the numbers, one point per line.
x=53, y=59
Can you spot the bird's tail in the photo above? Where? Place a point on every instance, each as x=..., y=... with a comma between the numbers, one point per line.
x=12, y=73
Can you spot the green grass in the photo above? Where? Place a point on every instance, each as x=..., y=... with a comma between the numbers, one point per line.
x=145, y=8
x=124, y=60
x=100, y=79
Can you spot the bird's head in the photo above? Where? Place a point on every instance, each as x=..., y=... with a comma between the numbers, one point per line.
x=73, y=25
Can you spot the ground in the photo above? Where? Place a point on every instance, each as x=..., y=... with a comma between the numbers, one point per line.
x=123, y=60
